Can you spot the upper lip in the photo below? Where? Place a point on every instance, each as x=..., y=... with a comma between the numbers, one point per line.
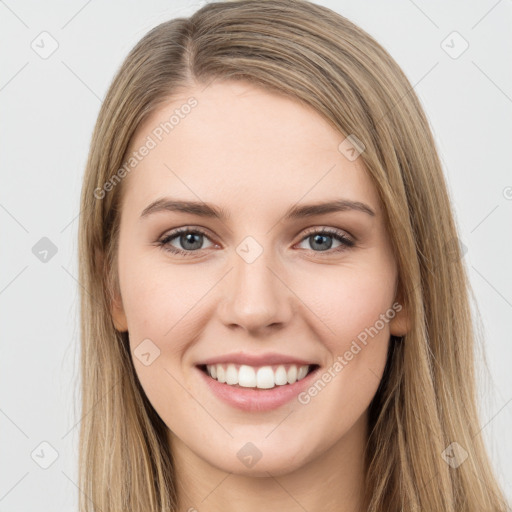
x=266, y=359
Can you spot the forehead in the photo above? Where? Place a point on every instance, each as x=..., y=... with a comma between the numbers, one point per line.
x=243, y=143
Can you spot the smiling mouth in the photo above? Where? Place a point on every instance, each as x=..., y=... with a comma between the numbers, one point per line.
x=263, y=377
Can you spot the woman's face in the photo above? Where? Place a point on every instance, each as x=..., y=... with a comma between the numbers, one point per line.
x=261, y=279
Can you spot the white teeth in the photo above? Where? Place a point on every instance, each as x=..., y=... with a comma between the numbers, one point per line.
x=280, y=376
x=231, y=375
x=292, y=374
x=264, y=377
x=247, y=376
x=302, y=372
x=221, y=374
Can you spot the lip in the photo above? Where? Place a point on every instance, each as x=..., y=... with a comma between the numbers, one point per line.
x=265, y=359
x=257, y=400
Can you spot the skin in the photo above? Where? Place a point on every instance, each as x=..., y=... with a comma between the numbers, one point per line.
x=256, y=154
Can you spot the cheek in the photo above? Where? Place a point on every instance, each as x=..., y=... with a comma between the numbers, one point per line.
x=162, y=305
x=157, y=299
x=348, y=300
x=354, y=328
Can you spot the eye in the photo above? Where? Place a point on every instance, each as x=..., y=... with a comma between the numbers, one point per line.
x=322, y=240
x=190, y=239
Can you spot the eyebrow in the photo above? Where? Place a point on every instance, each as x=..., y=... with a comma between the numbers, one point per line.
x=295, y=212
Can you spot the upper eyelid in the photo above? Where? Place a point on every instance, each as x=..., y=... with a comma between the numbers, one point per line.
x=186, y=229
x=328, y=229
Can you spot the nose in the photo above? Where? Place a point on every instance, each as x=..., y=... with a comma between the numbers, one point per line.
x=255, y=296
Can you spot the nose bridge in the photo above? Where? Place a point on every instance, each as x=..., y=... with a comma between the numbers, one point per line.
x=254, y=296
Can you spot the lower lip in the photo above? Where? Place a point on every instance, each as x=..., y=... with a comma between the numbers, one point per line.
x=257, y=400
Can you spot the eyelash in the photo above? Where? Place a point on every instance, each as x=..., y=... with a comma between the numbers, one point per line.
x=338, y=235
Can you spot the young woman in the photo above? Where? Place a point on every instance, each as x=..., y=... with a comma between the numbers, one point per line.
x=275, y=314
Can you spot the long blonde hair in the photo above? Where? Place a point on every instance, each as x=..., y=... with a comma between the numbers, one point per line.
x=426, y=399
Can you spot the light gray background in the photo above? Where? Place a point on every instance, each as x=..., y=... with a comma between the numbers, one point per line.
x=48, y=109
